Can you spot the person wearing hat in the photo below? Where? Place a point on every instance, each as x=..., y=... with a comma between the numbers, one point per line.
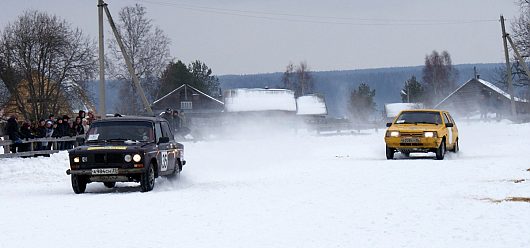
x=48, y=133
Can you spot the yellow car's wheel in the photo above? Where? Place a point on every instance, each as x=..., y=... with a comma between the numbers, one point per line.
x=389, y=153
x=456, y=147
x=440, y=152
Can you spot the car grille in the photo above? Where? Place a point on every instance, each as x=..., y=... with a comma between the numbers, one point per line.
x=411, y=134
x=108, y=158
x=411, y=144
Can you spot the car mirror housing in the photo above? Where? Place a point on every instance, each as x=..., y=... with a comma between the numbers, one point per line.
x=163, y=140
x=389, y=124
x=449, y=125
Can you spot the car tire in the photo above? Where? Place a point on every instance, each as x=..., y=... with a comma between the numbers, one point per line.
x=110, y=185
x=389, y=153
x=147, y=180
x=440, y=152
x=456, y=148
x=78, y=184
x=177, y=170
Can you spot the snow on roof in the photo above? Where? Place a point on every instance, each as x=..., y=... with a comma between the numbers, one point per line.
x=393, y=109
x=311, y=105
x=487, y=84
x=498, y=90
x=255, y=99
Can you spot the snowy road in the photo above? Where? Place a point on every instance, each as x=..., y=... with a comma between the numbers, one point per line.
x=304, y=191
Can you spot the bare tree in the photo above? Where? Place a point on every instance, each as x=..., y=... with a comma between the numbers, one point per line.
x=305, y=79
x=298, y=79
x=41, y=58
x=148, y=47
x=439, y=75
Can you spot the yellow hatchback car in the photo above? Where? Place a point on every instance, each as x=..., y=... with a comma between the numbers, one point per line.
x=421, y=130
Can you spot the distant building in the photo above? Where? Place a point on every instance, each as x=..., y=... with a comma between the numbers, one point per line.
x=480, y=97
x=259, y=100
x=68, y=100
x=189, y=100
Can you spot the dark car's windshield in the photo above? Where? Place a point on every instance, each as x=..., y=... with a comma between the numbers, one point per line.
x=419, y=117
x=121, y=130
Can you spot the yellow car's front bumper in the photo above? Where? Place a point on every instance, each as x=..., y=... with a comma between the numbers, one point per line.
x=406, y=143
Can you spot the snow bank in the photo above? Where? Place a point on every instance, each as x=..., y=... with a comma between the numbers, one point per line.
x=311, y=105
x=241, y=100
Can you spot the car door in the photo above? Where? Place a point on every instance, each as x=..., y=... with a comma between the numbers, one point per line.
x=161, y=156
x=451, y=137
x=170, y=154
x=455, y=128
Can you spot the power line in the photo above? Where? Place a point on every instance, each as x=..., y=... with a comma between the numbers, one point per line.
x=316, y=19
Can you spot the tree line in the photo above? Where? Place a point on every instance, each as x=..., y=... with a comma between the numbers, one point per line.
x=45, y=63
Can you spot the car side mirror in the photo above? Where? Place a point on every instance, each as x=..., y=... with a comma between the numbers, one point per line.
x=163, y=140
x=449, y=125
x=80, y=140
x=389, y=124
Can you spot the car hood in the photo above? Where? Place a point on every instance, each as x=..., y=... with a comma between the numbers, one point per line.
x=109, y=147
x=415, y=127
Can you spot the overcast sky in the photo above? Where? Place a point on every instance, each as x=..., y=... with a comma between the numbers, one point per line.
x=255, y=36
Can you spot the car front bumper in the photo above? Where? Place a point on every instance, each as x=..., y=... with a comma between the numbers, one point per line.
x=400, y=143
x=88, y=172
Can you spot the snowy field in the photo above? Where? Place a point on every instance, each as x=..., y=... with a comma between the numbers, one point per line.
x=300, y=191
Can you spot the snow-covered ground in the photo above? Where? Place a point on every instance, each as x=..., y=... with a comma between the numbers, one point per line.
x=301, y=191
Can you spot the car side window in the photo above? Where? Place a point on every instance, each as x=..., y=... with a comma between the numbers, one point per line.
x=158, y=131
x=451, y=118
x=166, y=131
x=446, y=119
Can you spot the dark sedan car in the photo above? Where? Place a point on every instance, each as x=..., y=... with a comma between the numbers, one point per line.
x=126, y=149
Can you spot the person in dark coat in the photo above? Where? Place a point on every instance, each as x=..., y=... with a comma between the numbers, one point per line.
x=40, y=132
x=60, y=131
x=78, y=126
x=13, y=131
x=25, y=133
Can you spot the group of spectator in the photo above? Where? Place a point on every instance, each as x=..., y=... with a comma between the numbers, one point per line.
x=177, y=121
x=47, y=128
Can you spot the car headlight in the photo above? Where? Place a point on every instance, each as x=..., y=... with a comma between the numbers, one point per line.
x=394, y=134
x=137, y=158
x=127, y=158
x=76, y=160
x=429, y=134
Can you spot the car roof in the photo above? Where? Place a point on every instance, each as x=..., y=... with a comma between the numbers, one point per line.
x=424, y=110
x=132, y=118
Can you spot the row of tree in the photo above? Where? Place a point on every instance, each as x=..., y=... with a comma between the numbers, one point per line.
x=45, y=62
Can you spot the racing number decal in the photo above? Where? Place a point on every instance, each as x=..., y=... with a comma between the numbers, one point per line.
x=165, y=161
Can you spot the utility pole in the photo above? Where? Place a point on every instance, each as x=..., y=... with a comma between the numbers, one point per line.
x=101, y=110
x=508, y=69
x=128, y=62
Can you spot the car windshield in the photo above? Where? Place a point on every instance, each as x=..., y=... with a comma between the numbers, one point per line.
x=121, y=131
x=419, y=117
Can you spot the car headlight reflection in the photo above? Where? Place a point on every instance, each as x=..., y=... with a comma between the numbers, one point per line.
x=429, y=134
x=137, y=158
x=76, y=160
x=127, y=158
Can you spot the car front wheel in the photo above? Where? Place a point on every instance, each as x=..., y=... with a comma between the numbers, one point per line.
x=147, y=180
x=109, y=184
x=456, y=148
x=389, y=153
x=440, y=152
x=78, y=184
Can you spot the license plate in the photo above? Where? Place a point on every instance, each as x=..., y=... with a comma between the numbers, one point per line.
x=104, y=171
x=410, y=140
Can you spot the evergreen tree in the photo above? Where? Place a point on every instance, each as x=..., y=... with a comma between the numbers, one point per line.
x=362, y=104
x=412, y=91
x=197, y=75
